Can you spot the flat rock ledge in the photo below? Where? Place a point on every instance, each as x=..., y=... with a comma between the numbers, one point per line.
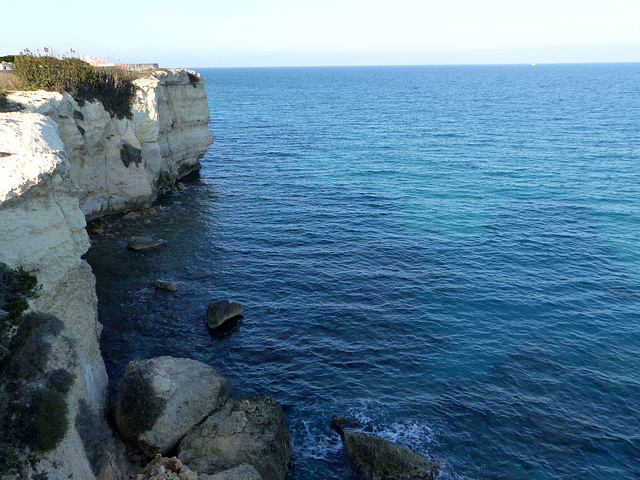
x=220, y=312
x=381, y=459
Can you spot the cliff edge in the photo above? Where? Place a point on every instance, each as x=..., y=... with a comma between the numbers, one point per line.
x=122, y=163
x=60, y=164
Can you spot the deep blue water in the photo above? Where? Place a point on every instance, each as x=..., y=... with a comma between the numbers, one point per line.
x=449, y=253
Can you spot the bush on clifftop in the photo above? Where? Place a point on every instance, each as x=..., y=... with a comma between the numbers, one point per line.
x=114, y=88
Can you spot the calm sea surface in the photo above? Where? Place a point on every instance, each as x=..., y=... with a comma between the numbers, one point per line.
x=451, y=254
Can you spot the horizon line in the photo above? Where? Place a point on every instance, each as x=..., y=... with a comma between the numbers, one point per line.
x=425, y=65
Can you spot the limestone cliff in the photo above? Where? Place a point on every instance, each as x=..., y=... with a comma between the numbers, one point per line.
x=122, y=163
x=61, y=163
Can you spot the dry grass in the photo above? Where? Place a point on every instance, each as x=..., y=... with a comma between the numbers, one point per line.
x=9, y=82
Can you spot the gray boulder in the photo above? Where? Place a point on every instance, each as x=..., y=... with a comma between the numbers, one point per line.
x=161, y=399
x=241, y=472
x=220, y=312
x=211, y=464
x=143, y=243
x=248, y=430
x=381, y=459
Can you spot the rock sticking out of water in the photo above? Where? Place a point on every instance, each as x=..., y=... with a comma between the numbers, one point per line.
x=220, y=312
x=381, y=459
x=340, y=424
x=142, y=243
x=167, y=285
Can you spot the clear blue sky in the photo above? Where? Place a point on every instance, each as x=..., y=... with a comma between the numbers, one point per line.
x=227, y=33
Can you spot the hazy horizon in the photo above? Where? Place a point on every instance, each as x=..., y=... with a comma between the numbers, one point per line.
x=249, y=33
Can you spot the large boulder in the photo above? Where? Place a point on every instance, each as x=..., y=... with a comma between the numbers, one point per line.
x=241, y=472
x=220, y=312
x=381, y=459
x=161, y=399
x=248, y=430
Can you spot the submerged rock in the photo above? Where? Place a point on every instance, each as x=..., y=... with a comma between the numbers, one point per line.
x=142, y=243
x=248, y=430
x=167, y=285
x=162, y=398
x=220, y=312
x=381, y=459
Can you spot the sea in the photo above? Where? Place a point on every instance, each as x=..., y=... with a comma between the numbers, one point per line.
x=449, y=254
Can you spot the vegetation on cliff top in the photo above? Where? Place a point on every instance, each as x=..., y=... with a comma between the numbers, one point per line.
x=114, y=87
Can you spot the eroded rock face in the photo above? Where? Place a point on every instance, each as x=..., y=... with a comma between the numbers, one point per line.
x=122, y=163
x=248, y=430
x=42, y=230
x=380, y=459
x=161, y=399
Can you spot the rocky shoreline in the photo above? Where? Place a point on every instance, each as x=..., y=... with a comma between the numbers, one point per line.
x=63, y=164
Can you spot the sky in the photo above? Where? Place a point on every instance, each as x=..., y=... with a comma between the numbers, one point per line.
x=250, y=33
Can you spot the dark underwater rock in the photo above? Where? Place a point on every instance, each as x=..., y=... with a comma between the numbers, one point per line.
x=142, y=243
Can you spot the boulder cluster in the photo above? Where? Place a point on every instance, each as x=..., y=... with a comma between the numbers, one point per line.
x=183, y=406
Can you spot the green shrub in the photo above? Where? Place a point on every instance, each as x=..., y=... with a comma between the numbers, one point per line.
x=137, y=403
x=113, y=88
x=46, y=422
x=8, y=58
x=29, y=349
x=16, y=285
x=61, y=380
x=9, y=457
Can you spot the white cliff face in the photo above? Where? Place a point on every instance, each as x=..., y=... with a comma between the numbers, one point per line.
x=42, y=225
x=61, y=162
x=42, y=229
x=122, y=163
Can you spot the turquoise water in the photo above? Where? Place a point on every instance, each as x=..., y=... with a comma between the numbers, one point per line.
x=449, y=253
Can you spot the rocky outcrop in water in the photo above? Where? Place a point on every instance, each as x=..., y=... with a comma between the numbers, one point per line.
x=161, y=399
x=219, y=312
x=381, y=459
